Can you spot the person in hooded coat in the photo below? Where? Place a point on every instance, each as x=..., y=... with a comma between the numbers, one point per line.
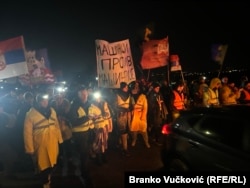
x=42, y=136
x=211, y=95
x=124, y=106
x=139, y=118
x=157, y=113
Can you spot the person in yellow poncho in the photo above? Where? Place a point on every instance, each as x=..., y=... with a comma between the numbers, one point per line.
x=139, y=117
x=42, y=137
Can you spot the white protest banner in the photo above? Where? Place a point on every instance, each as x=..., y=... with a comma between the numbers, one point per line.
x=114, y=63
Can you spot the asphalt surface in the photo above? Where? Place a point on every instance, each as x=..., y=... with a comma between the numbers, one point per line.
x=108, y=175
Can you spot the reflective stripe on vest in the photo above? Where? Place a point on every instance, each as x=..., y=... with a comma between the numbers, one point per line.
x=38, y=125
x=213, y=97
x=85, y=126
x=122, y=103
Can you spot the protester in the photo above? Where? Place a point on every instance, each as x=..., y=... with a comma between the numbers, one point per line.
x=177, y=100
x=157, y=113
x=42, y=137
x=245, y=94
x=228, y=95
x=8, y=155
x=139, y=117
x=101, y=114
x=82, y=133
x=62, y=105
x=124, y=106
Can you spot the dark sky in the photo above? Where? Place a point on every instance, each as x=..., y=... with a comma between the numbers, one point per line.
x=68, y=29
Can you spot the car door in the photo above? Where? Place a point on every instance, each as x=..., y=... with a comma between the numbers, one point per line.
x=219, y=143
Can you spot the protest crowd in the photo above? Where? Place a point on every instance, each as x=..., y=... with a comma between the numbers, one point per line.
x=44, y=125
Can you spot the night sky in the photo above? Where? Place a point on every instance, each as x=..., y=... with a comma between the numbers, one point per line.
x=68, y=29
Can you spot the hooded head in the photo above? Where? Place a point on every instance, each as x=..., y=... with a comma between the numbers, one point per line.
x=42, y=100
x=123, y=85
x=155, y=85
x=215, y=83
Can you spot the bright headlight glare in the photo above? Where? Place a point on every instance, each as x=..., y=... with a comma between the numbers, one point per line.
x=97, y=95
x=45, y=96
x=60, y=89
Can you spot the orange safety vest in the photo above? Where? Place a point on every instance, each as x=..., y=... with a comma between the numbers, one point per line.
x=247, y=95
x=178, y=100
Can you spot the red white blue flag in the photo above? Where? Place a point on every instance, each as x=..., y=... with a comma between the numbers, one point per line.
x=12, y=58
x=175, y=63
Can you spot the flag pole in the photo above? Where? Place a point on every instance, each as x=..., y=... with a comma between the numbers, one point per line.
x=182, y=77
x=148, y=74
x=168, y=70
x=220, y=69
x=168, y=74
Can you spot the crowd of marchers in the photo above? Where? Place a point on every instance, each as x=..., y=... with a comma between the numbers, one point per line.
x=47, y=129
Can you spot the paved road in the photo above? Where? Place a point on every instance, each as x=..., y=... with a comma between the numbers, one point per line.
x=109, y=175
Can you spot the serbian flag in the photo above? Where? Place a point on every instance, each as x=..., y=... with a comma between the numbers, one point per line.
x=219, y=52
x=175, y=63
x=12, y=58
x=155, y=53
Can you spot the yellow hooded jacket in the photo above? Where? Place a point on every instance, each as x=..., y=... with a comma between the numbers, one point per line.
x=211, y=95
x=42, y=137
x=139, y=120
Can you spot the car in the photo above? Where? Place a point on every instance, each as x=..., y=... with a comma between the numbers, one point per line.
x=208, y=139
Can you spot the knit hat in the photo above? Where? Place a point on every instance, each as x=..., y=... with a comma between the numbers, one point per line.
x=156, y=84
x=123, y=85
x=132, y=84
x=82, y=87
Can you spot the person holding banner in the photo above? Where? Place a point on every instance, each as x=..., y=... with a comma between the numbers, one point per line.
x=124, y=105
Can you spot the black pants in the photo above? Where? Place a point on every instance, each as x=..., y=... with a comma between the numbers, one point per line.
x=44, y=175
x=82, y=142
